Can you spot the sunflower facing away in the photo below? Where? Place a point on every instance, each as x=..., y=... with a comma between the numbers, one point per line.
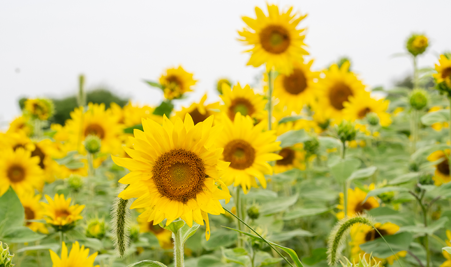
x=242, y=100
x=174, y=171
x=33, y=211
x=164, y=236
x=176, y=82
x=20, y=125
x=78, y=257
x=441, y=175
x=362, y=104
x=275, y=38
x=60, y=213
x=39, y=108
x=20, y=171
x=199, y=111
x=443, y=69
x=360, y=234
x=355, y=202
x=248, y=149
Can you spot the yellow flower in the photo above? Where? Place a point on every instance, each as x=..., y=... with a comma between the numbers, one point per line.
x=39, y=108
x=360, y=234
x=199, y=111
x=78, y=257
x=20, y=125
x=176, y=82
x=292, y=157
x=33, y=211
x=441, y=175
x=20, y=171
x=443, y=69
x=60, y=212
x=362, y=104
x=220, y=83
x=447, y=263
x=242, y=100
x=174, y=171
x=397, y=111
x=248, y=149
x=275, y=38
x=15, y=141
x=417, y=44
x=337, y=86
x=164, y=236
x=132, y=114
x=438, y=126
x=355, y=202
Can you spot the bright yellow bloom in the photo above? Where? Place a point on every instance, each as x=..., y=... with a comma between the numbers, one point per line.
x=199, y=111
x=447, y=263
x=443, y=69
x=355, y=202
x=78, y=257
x=242, y=100
x=60, y=212
x=20, y=171
x=397, y=111
x=131, y=114
x=33, y=211
x=362, y=104
x=441, y=175
x=164, y=236
x=248, y=149
x=39, y=108
x=174, y=171
x=176, y=82
x=275, y=39
x=20, y=125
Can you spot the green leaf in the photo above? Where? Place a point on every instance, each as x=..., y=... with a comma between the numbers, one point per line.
x=385, y=214
x=429, y=230
x=287, y=176
x=188, y=232
x=287, y=235
x=363, y=173
x=154, y=84
x=343, y=169
x=12, y=213
x=220, y=238
x=291, y=138
x=398, y=242
x=236, y=255
x=329, y=142
x=404, y=178
x=69, y=157
x=93, y=243
x=51, y=246
x=278, y=205
x=436, y=116
x=147, y=263
x=443, y=191
x=73, y=165
x=293, y=118
x=319, y=254
x=165, y=108
x=175, y=226
x=210, y=261
x=304, y=212
x=130, y=130
x=378, y=191
x=20, y=234
x=447, y=249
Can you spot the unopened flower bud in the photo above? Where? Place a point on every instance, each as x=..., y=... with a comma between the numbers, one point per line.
x=418, y=99
x=93, y=144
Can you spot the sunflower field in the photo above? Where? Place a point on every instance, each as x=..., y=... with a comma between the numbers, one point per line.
x=313, y=168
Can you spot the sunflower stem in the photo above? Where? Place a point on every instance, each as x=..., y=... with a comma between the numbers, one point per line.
x=239, y=213
x=270, y=89
x=449, y=128
x=415, y=73
x=91, y=169
x=61, y=237
x=425, y=221
x=178, y=249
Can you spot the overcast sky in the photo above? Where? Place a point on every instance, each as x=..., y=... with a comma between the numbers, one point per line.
x=45, y=45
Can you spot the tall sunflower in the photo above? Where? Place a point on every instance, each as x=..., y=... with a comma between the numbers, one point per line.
x=355, y=202
x=242, y=100
x=20, y=125
x=39, y=108
x=33, y=211
x=362, y=104
x=199, y=111
x=275, y=38
x=337, y=86
x=174, y=171
x=443, y=69
x=20, y=171
x=442, y=173
x=248, y=149
x=361, y=234
x=60, y=213
x=164, y=236
x=78, y=257
x=176, y=82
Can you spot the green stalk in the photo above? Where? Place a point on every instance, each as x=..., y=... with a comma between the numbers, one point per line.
x=178, y=249
x=415, y=73
x=239, y=207
x=271, y=87
x=91, y=169
x=425, y=222
x=449, y=128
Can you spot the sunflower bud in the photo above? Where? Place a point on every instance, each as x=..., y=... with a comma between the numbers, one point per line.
x=417, y=44
x=342, y=61
x=387, y=197
x=134, y=232
x=93, y=144
x=95, y=228
x=418, y=99
x=311, y=146
x=253, y=212
x=346, y=131
x=6, y=259
x=372, y=119
x=39, y=108
x=220, y=82
x=75, y=182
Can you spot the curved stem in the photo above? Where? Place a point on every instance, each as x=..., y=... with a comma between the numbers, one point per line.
x=178, y=249
x=271, y=87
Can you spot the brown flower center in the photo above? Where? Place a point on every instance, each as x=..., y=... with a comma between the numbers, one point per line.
x=240, y=154
x=197, y=116
x=446, y=73
x=275, y=39
x=16, y=173
x=372, y=235
x=241, y=105
x=338, y=94
x=443, y=167
x=296, y=82
x=37, y=152
x=62, y=213
x=362, y=113
x=287, y=155
x=29, y=215
x=156, y=229
x=179, y=175
x=95, y=129
x=173, y=83
x=361, y=207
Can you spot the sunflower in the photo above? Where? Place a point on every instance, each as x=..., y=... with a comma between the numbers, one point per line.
x=355, y=202
x=242, y=100
x=438, y=126
x=164, y=236
x=60, y=213
x=447, y=263
x=362, y=104
x=441, y=175
x=296, y=89
x=131, y=114
x=220, y=83
x=248, y=149
x=20, y=125
x=39, y=108
x=360, y=234
x=176, y=82
x=174, y=171
x=20, y=171
x=337, y=86
x=78, y=257
x=45, y=151
x=443, y=69
x=15, y=141
x=293, y=156
x=199, y=111
x=275, y=38
x=33, y=211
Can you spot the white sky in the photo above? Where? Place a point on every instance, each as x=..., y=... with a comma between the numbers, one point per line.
x=120, y=43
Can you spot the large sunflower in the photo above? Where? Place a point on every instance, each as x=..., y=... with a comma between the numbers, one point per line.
x=293, y=156
x=248, y=149
x=355, y=202
x=176, y=82
x=275, y=38
x=362, y=104
x=78, y=257
x=60, y=213
x=337, y=86
x=443, y=69
x=199, y=111
x=21, y=125
x=361, y=233
x=20, y=171
x=174, y=171
x=442, y=173
x=242, y=100
x=164, y=236
x=33, y=211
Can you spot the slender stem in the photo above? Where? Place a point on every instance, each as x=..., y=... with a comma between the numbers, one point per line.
x=91, y=169
x=345, y=198
x=178, y=249
x=61, y=237
x=415, y=73
x=343, y=152
x=425, y=221
x=239, y=207
x=37, y=128
x=271, y=87
x=414, y=130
